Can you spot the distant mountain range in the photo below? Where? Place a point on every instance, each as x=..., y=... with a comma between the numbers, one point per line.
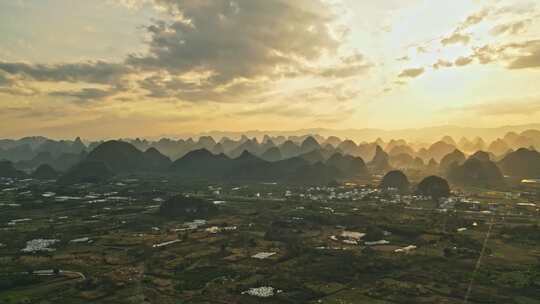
x=294, y=159
x=427, y=134
x=29, y=152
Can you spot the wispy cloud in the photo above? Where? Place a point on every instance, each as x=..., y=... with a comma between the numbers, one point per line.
x=527, y=106
x=411, y=73
x=456, y=38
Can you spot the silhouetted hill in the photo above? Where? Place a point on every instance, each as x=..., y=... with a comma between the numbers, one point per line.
x=476, y=171
x=403, y=161
x=333, y=140
x=200, y=164
x=67, y=160
x=465, y=144
x=205, y=142
x=348, y=147
x=309, y=144
x=31, y=152
x=478, y=144
x=123, y=157
x=394, y=143
x=315, y=156
x=348, y=166
x=7, y=169
x=36, y=161
x=156, y=161
x=273, y=154
x=218, y=149
x=432, y=166
x=521, y=163
x=449, y=140
x=483, y=156
x=395, y=180
x=16, y=153
x=418, y=164
x=439, y=149
x=498, y=147
x=250, y=145
x=456, y=157
x=401, y=149
x=246, y=167
x=380, y=162
x=433, y=186
x=88, y=171
x=59, y=147
x=119, y=156
x=289, y=149
x=265, y=145
x=62, y=162
x=45, y=172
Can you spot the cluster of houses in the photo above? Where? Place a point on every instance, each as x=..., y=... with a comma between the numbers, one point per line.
x=36, y=245
x=327, y=193
x=262, y=292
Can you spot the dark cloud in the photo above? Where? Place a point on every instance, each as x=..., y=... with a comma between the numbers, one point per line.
x=85, y=94
x=97, y=72
x=225, y=50
x=93, y=72
x=217, y=50
x=411, y=73
x=12, y=86
x=238, y=39
x=4, y=79
x=163, y=86
x=160, y=86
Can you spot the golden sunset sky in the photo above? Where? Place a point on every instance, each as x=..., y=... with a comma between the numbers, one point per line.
x=126, y=68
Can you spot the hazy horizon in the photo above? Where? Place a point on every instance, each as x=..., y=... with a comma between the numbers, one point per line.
x=426, y=135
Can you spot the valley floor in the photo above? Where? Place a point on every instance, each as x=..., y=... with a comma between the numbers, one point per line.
x=268, y=244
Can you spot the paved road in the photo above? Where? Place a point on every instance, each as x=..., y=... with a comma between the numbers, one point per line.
x=73, y=273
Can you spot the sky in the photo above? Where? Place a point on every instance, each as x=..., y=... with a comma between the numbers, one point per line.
x=150, y=68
